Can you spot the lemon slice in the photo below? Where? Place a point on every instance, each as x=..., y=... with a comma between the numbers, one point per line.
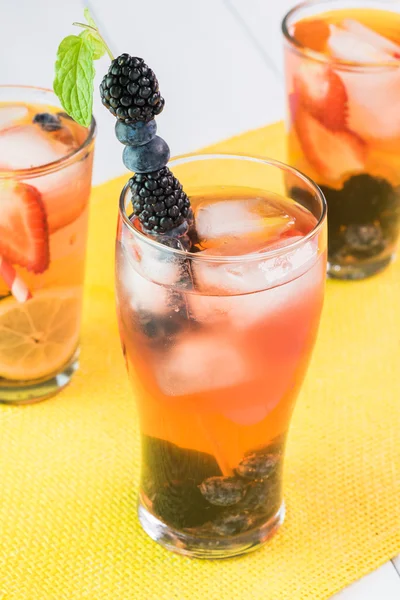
x=38, y=337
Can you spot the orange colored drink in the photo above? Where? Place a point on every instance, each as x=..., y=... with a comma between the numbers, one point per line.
x=217, y=342
x=45, y=180
x=343, y=86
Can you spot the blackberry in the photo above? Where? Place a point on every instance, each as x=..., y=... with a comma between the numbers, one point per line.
x=258, y=465
x=364, y=239
x=232, y=523
x=223, y=491
x=363, y=217
x=130, y=90
x=256, y=496
x=182, y=506
x=159, y=201
x=363, y=199
x=171, y=476
x=263, y=496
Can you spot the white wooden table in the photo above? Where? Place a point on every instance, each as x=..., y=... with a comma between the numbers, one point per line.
x=219, y=63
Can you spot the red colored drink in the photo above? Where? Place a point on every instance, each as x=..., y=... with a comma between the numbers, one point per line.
x=217, y=343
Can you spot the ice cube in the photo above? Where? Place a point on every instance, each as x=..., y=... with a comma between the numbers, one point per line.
x=252, y=308
x=279, y=283
x=158, y=263
x=373, y=99
x=233, y=218
x=140, y=293
x=25, y=146
x=371, y=37
x=160, y=266
x=10, y=115
x=247, y=276
x=350, y=46
x=199, y=363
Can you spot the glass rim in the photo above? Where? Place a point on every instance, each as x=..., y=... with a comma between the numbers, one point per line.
x=323, y=58
x=197, y=256
x=54, y=165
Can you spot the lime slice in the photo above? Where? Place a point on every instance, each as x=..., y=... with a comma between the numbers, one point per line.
x=38, y=337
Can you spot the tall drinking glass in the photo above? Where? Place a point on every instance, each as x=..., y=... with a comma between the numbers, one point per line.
x=45, y=181
x=216, y=344
x=343, y=86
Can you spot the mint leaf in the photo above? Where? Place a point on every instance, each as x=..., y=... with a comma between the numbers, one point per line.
x=73, y=82
x=75, y=72
x=89, y=18
x=97, y=43
x=94, y=35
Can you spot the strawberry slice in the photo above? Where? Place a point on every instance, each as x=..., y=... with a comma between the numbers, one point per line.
x=322, y=92
x=312, y=34
x=332, y=154
x=24, y=238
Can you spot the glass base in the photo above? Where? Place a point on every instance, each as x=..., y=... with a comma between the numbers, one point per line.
x=206, y=547
x=361, y=271
x=29, y=392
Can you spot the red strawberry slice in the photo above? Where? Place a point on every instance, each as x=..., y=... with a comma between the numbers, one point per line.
x=24, y=238
x=332, y=154
x=322, y=92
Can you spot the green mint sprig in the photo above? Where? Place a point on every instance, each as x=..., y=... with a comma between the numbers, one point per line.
x=75, y=71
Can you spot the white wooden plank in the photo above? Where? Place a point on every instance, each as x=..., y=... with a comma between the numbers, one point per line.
x=214, y=81
x=396, y=563
x=382, y=584
x=263, y=19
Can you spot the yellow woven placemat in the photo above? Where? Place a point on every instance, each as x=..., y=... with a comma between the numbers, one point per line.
x=69, y=466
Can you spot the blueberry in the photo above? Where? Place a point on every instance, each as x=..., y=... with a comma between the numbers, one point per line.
x=150, y=157
x=135, y=134
x=47, y=121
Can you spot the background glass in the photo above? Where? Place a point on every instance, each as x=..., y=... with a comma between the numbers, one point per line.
x=39, y=338
x=351, y=144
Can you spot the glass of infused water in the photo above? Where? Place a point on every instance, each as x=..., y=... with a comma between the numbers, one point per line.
x=217, y=328
x=45, y=181
x=343, y=86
